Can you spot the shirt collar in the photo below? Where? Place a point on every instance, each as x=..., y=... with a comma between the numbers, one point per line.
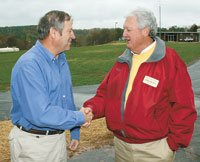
x=147, y=48
x=158, y=53
x=48, y=55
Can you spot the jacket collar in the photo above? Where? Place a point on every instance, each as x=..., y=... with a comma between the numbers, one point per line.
x=157, y=54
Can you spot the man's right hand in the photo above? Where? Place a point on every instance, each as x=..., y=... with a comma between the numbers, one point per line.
x=88, y=116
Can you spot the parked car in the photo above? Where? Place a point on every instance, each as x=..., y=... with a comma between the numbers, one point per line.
x=188, y=39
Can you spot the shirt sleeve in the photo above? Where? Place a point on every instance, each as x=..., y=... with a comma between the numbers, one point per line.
x=31, y=93
x=75, y=133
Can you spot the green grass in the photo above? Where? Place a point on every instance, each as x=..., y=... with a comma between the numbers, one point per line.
x=90, y=64
x=189, y=52
x=7, y=61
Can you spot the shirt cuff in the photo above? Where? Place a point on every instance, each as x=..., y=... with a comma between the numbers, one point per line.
x=80, y=118
x=75, y=133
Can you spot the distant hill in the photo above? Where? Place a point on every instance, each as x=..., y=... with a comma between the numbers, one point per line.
x=20, y=32
x=26, y=36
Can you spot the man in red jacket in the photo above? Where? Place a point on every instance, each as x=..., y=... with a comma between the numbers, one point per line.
x=146, y=97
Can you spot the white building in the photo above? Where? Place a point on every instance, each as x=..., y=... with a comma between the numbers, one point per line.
x=9, y=49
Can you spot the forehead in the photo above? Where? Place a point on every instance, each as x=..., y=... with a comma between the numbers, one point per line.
x=130, y=21
x=68, y=24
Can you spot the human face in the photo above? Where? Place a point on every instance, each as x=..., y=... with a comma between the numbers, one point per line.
x=133, y=35
x=64, y=40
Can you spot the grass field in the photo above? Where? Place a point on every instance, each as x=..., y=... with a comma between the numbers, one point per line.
x=90, y=64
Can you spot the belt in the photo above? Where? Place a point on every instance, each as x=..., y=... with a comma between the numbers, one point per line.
x=40, y=132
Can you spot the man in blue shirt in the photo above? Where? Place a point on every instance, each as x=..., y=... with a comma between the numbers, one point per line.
x=43, y=105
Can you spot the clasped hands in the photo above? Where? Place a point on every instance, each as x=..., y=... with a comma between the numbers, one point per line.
x=88, y=116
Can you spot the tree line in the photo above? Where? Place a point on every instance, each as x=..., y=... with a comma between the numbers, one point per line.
x=175, y=28
x=24, y=37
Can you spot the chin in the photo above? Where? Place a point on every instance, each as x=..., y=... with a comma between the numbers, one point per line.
x=67, y=48
x=128, y=46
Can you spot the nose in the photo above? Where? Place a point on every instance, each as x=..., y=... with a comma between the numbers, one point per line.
x=124, y=33
x=73, y=35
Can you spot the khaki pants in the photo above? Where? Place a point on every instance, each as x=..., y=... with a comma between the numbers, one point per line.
x=157, y=151
x=27, y=147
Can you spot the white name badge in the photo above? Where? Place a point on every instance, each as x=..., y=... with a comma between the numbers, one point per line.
x=150, y=81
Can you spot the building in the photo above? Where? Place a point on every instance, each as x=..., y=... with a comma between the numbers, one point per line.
x=13, y=49
x=180, y=36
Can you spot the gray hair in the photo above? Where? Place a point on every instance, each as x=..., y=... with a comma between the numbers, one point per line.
x=145, y=18
x=53, y=19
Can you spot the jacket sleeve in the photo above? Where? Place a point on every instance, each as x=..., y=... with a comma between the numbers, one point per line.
x=182, y=112
x=97, y=103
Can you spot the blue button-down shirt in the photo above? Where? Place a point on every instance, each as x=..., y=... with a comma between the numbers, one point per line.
x=41, y=91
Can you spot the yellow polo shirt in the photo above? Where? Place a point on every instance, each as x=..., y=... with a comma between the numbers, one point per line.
x=137, y=60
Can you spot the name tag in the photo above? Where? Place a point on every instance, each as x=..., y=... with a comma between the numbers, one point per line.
x=150, y=81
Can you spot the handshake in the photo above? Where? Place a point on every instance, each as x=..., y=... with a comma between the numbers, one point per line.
x=88, y=116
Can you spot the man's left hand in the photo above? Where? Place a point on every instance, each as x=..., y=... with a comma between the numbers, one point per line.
x=73, y=144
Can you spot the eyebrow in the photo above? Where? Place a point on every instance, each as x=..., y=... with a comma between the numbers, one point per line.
x=127, y=27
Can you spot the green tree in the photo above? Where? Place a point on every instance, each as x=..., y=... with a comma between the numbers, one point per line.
x=11, y=41
x=193, y=28
x=3, y=39
x=118, y=33
x=104, y=36
x=175, y=28
x=79, y=40
x=93, y=37
x=1, y=43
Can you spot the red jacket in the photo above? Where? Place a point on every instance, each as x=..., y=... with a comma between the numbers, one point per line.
x=152, y=112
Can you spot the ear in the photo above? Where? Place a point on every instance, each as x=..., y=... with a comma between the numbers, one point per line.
x=146, y=31
x=52, y=33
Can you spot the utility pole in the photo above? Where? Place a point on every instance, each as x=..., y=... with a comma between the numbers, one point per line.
x=115, y=24
x=160, y=18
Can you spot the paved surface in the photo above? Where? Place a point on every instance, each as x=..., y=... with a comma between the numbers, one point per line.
x=81, y=94
x=106, y=153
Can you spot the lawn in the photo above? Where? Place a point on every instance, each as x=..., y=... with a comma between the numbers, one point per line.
x=90, y=64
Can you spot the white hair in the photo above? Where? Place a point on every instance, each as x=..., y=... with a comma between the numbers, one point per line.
x=145, y=18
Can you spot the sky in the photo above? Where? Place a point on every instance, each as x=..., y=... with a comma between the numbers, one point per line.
x=89, y=14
